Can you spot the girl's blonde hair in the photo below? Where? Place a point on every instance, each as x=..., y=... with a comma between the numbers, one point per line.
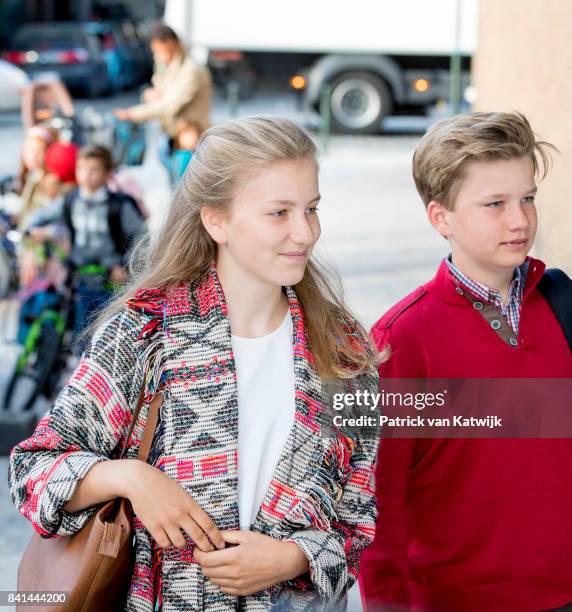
x=184, y=251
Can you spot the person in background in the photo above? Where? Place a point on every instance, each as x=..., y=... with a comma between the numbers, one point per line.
x=184, y=145
x=102, y=226
x=181, y=90
x=36, y=142
x=32, y=170
x=45, y=98
x=57, y=178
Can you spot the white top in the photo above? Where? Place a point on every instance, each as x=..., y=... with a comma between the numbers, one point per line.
x=266, y=404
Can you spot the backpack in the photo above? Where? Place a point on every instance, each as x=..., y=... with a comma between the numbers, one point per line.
x=35, y=299
x=556, y=287
x=116, y=201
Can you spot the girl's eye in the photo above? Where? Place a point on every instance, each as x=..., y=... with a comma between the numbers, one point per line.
x=493, y=204
x=529, y=199
x=312, y=211
x=278, y=213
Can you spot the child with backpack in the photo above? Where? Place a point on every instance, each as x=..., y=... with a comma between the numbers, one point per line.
x=102, y=226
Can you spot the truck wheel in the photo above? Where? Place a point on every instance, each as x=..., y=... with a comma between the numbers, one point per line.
x=358, y=103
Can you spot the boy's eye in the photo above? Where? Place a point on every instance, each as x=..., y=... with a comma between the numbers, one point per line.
x=529, y=198
x=312, y=211
x=493, y=204
x=278, y=213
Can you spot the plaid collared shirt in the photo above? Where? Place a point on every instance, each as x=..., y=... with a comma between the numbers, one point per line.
x=509, y=309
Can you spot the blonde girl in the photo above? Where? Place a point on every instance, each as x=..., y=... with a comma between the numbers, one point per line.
x=242, y=504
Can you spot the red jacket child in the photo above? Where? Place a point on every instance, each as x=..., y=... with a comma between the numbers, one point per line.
x=474, y=524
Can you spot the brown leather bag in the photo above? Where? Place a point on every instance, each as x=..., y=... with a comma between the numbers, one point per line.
x=95, y=565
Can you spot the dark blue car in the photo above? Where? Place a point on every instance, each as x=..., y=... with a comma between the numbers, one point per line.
x=68, y=49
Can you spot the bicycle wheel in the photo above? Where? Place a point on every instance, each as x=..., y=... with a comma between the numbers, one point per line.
x=31, y=375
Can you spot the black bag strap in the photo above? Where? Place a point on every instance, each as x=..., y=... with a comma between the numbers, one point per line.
x=67, y=212
x=116, y=202
x=556, y=287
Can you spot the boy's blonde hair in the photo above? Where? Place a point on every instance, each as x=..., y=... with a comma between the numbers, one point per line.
x=451, y=144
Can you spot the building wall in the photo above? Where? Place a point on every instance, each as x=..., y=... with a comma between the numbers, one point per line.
x=524, y=62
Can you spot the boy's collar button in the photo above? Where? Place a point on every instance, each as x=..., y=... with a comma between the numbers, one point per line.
x=513, y=341
x=478, y=305
x=459, y=290
x=495, y=324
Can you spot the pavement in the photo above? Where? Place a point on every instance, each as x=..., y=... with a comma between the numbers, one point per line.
x=374, y=232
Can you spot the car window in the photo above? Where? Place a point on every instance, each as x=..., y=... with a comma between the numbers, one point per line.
x=48, y=38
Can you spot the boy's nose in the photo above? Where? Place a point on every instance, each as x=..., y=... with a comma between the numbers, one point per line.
x=518, y=218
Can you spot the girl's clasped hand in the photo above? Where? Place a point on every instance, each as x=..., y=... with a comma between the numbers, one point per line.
x=240, y=562
x=255, y=562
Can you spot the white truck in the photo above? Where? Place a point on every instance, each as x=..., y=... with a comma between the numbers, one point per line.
x=378, y=56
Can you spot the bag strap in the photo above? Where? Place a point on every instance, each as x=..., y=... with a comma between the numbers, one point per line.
x=150, y=425
x=117, y=201
x=67, y=212
x=556, y=287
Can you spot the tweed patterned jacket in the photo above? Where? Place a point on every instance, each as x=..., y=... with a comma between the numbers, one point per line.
x=321, y=495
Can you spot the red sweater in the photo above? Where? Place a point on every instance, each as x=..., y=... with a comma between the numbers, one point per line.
x=471, y=524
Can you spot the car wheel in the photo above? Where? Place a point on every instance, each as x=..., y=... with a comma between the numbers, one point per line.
x=358, y=103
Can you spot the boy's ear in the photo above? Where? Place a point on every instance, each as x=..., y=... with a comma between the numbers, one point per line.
x=213, y=220
x=438, y=216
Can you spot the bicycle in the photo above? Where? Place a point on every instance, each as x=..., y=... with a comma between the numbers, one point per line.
x=47, y=315
x=42, y=325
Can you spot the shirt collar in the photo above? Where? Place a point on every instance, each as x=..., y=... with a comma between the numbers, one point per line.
x=483, y=292
x=97, y=196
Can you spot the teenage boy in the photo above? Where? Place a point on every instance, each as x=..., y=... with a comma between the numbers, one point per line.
x=475, y=524
x=102, y=226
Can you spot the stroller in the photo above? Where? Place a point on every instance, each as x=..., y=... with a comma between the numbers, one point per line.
x=48, y=102
x=125, y=139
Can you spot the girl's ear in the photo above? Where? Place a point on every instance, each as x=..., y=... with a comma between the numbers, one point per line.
x=213, y=220
x=438, y=216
